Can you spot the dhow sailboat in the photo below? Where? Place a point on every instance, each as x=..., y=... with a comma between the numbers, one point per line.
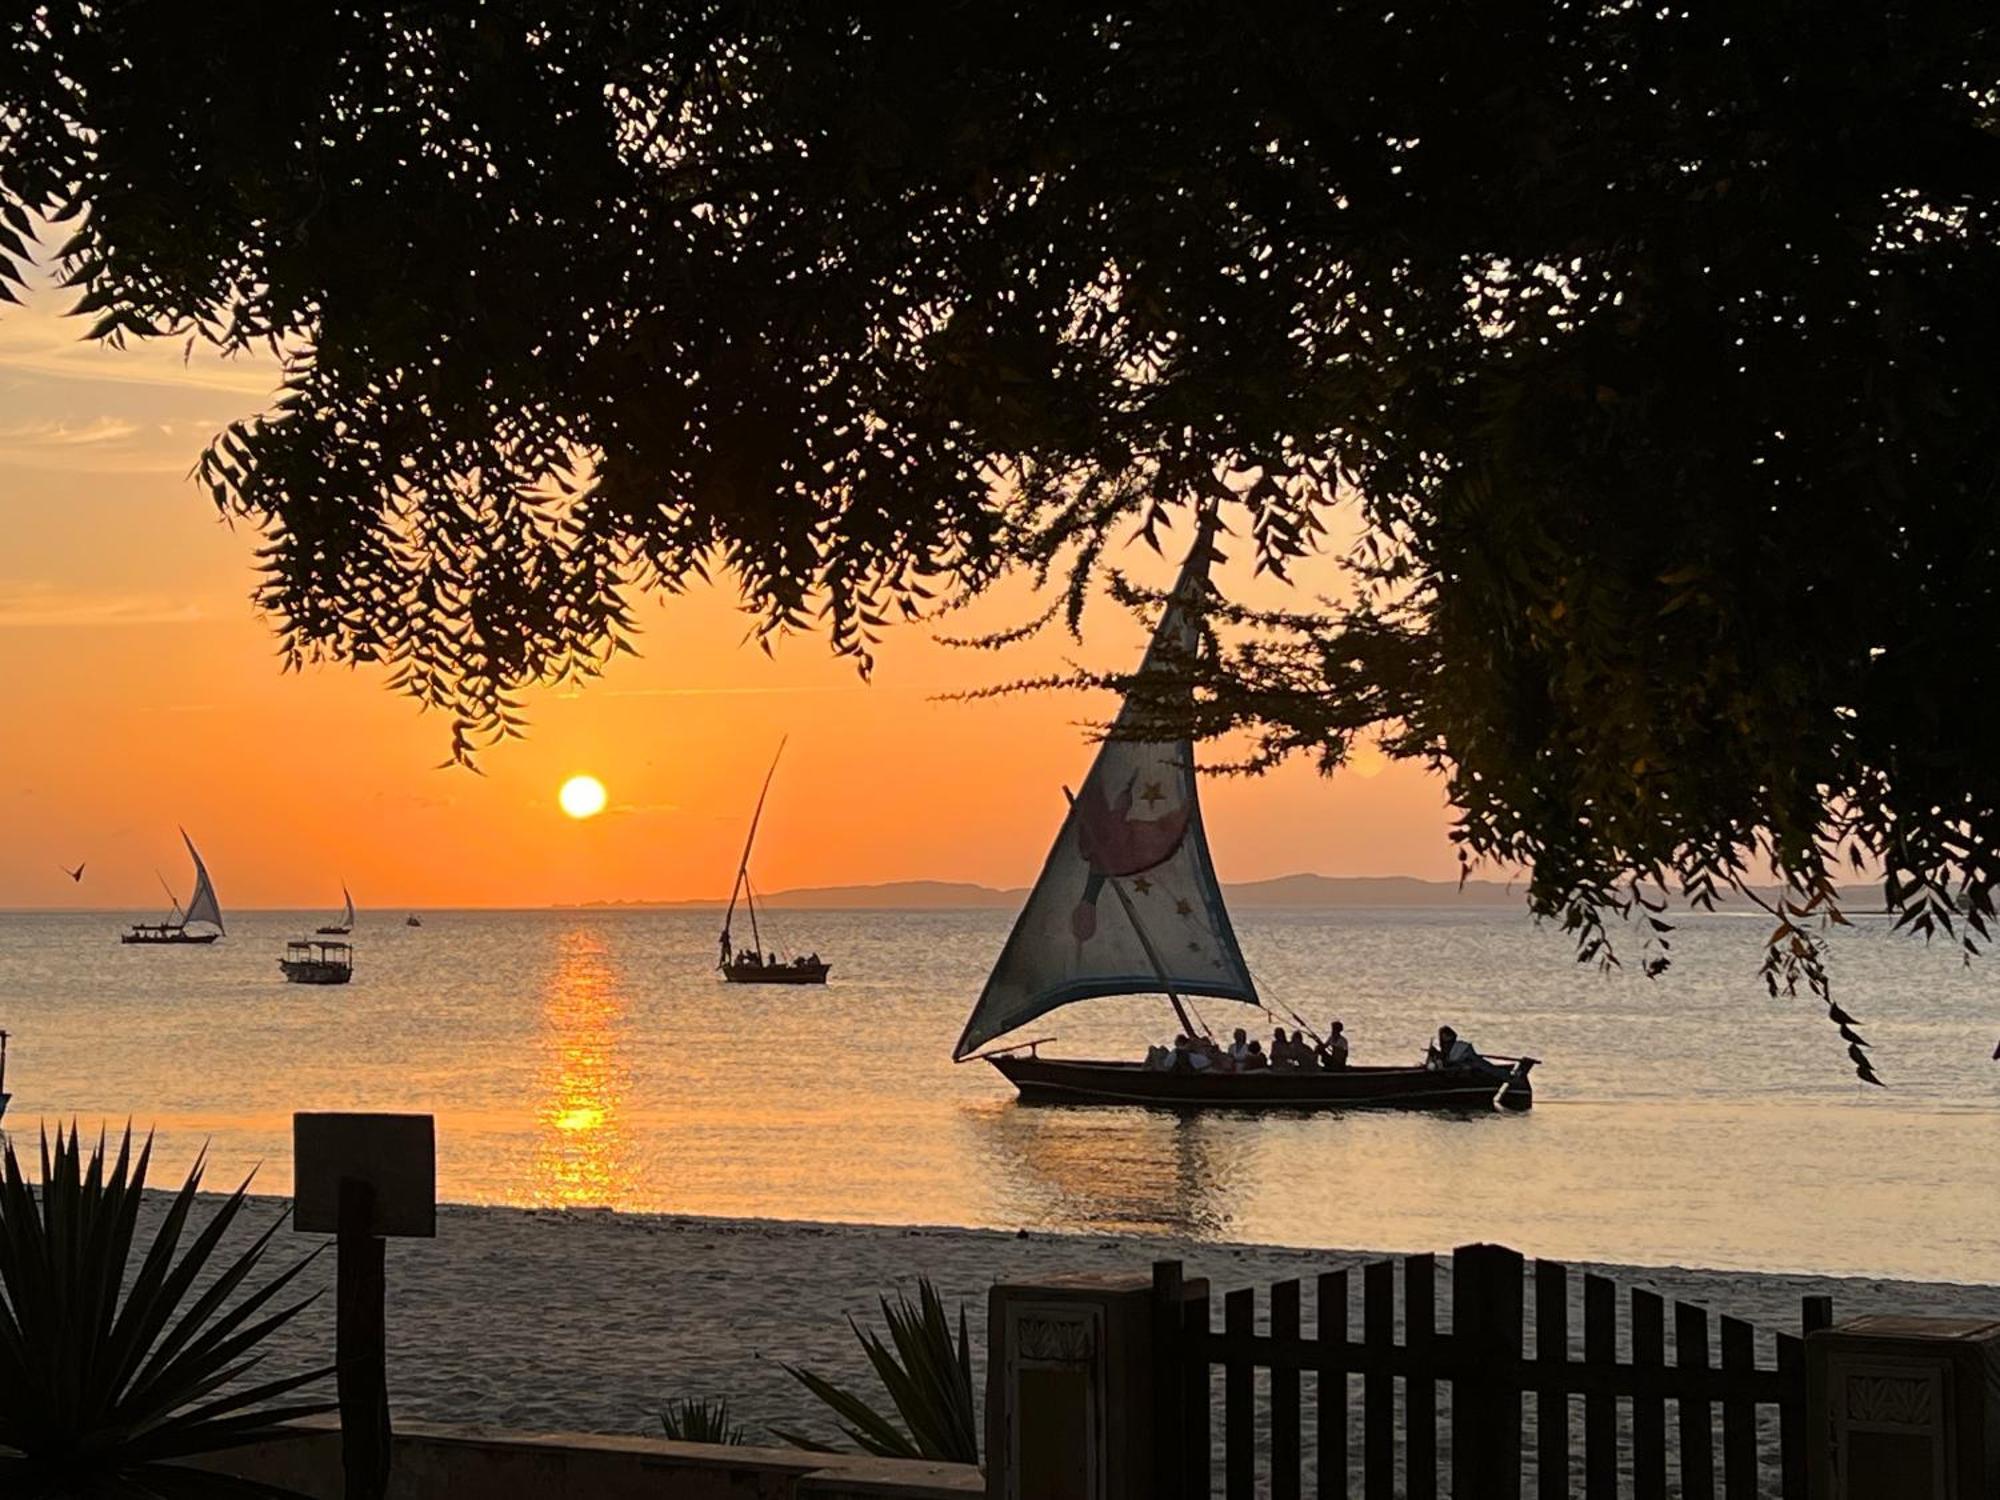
x=346, y=923
x=1128, y=903
x=202, y=921
x=753, y=965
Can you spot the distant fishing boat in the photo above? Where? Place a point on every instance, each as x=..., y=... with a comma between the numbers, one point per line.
x=754, y=965
x=346, y=923
x=1128, y=903
x=413, y=920
x=202, y=911
x=4, y=1095
x=307, y=962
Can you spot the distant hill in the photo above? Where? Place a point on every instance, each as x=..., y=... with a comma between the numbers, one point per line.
x=1297, y=891
x=1369, y=890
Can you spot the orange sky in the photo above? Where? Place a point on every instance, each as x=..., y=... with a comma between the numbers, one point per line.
x=142, y=692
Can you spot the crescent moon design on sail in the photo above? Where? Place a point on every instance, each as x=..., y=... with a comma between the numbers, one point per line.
x=1112, y=843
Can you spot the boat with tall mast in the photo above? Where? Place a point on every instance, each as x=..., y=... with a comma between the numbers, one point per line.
x=753, y=965
x=346, y=923
x=1128, y=903
x=201, y=922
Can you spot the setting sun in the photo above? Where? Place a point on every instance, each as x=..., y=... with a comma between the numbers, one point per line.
x=582, y=796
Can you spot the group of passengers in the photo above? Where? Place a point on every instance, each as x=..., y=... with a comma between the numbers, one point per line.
x=1245, y=1054
x=1297, y=1051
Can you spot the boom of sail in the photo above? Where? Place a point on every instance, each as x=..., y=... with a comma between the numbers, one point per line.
x=1127, y=902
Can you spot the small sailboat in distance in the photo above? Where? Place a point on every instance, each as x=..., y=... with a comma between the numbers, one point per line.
x=4, y=1095
x=202, y=921
x=1128, y=904
x=753, y=965
x=346, y=923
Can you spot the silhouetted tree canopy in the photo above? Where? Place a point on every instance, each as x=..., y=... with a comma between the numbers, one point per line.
x=1655, y=347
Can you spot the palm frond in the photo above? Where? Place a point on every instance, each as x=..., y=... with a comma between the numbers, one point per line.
x=927, y=1376
x=106, y=1371
x=691, y=1421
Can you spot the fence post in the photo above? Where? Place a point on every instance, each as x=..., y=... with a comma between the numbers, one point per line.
x=1070, y=1396
x=1169, y=1290
x=1486, y=1383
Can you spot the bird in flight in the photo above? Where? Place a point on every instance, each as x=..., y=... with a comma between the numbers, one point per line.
x=76, y=874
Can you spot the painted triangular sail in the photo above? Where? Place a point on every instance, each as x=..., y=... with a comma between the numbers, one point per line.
x=1134, y=827
x=201, y=905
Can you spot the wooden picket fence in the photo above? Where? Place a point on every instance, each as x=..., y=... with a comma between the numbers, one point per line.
x=1487, y=1374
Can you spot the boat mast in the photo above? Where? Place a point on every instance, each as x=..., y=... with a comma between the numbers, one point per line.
x=176, y=900
x=741, y=888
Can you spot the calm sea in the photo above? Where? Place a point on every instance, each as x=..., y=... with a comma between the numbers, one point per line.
x=594, y=1059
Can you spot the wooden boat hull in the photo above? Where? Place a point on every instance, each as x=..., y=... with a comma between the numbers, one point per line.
x=1048, y=1080
x=333, y=931
x=777, y=973
x=309, y=972
x=169, y=938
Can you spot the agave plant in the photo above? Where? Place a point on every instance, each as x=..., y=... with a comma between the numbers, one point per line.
x=109, y=1373
x=691, y=1421
x=928, y=1378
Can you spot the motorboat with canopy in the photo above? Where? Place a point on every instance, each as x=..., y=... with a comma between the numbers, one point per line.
x=755, y=965
x=1128, y=903
x=200, y=923
x=312, y=961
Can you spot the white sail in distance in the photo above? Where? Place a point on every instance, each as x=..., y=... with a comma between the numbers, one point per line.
x=201, y=905
x=1131, y=846
x=346, y=916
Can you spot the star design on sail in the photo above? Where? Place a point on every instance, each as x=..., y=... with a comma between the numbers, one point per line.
x=1152, y=794
x=1113, y=842
x=1182, y=909
x=1142, y=885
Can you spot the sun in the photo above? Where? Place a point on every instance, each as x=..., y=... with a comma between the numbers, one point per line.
x=582, y=796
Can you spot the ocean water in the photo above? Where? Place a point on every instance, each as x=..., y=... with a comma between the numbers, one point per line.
x=593, y=1059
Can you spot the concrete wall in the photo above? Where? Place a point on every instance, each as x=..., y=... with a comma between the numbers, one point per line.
x=437, y=1462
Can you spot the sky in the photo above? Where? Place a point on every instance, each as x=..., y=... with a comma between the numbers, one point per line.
x=142, y=692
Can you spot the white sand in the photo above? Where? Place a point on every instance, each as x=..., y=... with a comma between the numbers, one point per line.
x=590, y=1321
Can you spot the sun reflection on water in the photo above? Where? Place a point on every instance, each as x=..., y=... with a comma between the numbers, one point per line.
x=579, y=1156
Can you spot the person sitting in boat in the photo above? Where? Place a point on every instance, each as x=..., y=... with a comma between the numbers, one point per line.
x=1254, y=1058
x=1452, y=1051
x=1158, y=1059
x=1239, y=1048
x=1333, y=1051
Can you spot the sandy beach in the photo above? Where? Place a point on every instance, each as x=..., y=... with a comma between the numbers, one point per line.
x=591, y=1320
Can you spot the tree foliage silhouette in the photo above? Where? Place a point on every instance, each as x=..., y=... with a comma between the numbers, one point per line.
x=1652, y=347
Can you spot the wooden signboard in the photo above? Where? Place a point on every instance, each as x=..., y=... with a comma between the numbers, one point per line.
x=393, y=1156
